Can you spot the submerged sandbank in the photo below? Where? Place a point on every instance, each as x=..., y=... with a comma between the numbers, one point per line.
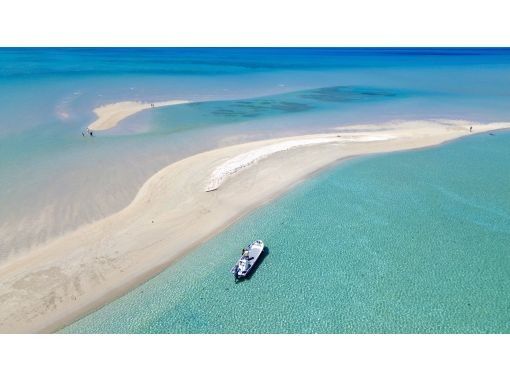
x=108, y=116
x=58, y=282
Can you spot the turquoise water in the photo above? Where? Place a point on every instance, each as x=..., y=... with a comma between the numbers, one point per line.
x=377, y=234
x=52, y=180
x=243, y=113
x=407, y=242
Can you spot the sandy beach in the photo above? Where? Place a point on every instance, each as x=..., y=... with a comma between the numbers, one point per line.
x=177, y=209
x=108, y=116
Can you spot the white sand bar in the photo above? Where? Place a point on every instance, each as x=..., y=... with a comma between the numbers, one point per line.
x=108, y=116
x=59, y=281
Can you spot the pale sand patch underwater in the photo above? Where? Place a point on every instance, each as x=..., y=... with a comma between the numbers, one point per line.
x=64, y=279
x=108, y=116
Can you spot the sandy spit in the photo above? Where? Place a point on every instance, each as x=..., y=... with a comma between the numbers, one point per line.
x=74, y=274
x=108, y=116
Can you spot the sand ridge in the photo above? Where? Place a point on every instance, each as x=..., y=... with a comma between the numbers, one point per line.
x=246, y=159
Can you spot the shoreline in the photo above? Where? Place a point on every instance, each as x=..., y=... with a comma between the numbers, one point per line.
x=82, y=261
x=110, y=115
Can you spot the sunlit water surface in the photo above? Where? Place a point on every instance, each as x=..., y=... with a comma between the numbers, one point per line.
x=408, y=242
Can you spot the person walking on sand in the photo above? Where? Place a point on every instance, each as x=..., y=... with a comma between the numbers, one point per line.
x=470, y=129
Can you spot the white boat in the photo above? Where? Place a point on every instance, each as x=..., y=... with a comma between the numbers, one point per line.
x=248, y=258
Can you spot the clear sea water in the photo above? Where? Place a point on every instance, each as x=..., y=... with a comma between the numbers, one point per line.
x=407, y=242
x=52, y=180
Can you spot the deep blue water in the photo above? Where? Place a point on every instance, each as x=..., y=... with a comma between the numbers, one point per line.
x=209, y=61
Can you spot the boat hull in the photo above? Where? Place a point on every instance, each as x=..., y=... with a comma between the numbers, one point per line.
x=243, y=269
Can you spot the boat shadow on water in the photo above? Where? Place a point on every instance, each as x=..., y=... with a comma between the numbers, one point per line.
x=264, y=254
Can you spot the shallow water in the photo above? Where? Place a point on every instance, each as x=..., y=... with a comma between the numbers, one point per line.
x=407, y=242
x=53, y=180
